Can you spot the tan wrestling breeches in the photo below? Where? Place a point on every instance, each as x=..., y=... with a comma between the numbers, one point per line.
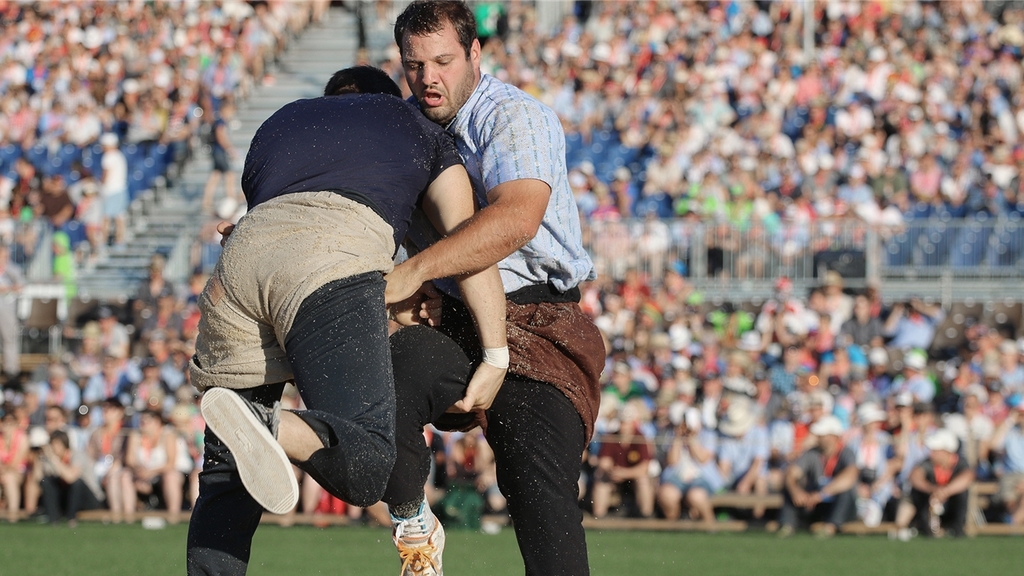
x=278, y=254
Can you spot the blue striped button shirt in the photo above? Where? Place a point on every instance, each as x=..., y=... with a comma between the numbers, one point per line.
x=505, y=134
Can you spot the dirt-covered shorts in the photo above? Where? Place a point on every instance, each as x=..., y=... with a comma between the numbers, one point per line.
x=278, y=254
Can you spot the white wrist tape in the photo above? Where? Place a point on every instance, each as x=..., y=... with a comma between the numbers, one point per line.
x=497, y=357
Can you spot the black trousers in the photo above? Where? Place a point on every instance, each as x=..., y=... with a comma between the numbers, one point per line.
x=61, y=498
x=535, y=432
x=953, y=518
x=338, y=348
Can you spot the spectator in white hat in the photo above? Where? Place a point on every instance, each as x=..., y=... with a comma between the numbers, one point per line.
x=938, y=494
x=878, y=369
x=917, y=423
x=691, y=476
x=743, y=449
x=820, y=485
x=838, y=304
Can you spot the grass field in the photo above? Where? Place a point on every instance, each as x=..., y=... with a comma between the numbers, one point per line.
x=95, y=549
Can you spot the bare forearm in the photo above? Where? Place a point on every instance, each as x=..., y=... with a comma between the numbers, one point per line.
x=473, y=239
x=484, y=296
x=999, y=438
x=841, y=483
x=893, y=320
x=754, y=471
x=793, y=481
x=962, y=482
x=482, y=241
x=699, y=453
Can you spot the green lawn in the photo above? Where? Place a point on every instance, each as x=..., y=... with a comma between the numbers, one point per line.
x=95, y=549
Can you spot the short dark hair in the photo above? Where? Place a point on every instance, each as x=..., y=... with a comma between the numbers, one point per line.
x=60, y=436
x=361, y=80
x=429, y=17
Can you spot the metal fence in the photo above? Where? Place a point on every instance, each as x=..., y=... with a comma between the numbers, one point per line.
x=944, y=260
x=31, y=248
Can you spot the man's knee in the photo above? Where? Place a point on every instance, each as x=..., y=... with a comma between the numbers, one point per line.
x=358, y=478
x=372, y=489
x=431, y=372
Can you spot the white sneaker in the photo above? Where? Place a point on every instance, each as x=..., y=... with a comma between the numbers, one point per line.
x=873, y=514
x=248, y=430
x=420, y=543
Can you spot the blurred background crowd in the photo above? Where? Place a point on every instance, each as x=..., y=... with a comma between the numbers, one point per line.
x=771, y=130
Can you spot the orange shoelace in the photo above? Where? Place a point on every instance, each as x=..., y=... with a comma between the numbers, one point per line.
x=418, y=559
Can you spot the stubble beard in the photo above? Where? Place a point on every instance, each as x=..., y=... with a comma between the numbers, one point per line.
x=443, y=115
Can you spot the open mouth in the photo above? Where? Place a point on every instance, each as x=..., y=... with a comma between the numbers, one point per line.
x=432, y=99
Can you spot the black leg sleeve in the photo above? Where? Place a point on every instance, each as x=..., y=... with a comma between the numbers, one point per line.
x=431, y=374
x=338, y=348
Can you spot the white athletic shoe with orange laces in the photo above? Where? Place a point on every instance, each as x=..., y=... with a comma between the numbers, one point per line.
x=420, y=543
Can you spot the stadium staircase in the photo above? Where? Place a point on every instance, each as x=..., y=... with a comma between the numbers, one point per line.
x=166, y=219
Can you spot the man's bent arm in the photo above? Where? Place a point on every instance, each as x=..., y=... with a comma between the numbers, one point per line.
x=449, y=203
x=510, y=221
x=842, y=482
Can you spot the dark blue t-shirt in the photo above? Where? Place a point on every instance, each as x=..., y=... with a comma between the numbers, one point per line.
x=373, y=148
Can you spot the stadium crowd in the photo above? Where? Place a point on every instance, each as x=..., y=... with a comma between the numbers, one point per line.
x=102, y=99
x=715, y=113
x=702, y=400
x=708, y=113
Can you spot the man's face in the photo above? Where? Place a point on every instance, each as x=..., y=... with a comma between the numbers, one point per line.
x=151, y=373
x=942, y=458
x=861, y=307
x=828, y=443
x=971, y=403
x=113, y=413
x=59, y=449
x=439, y=74
x=56, y=377
x=54, y=419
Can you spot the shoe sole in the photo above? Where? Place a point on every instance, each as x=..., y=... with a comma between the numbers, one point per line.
x=262, y=464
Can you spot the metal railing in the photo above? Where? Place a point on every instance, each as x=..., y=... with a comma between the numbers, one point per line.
x=940, y=259
x=30, y=245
